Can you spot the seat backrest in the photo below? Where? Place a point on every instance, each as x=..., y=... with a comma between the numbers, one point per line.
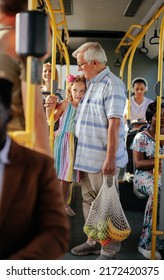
x=134, y=128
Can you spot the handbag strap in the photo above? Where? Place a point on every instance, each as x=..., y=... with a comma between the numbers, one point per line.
x=105, y=179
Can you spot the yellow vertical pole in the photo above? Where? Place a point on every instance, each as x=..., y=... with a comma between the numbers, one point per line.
x=133, y=47
x=55, y=37
x=158, y=120
x=30, y=97
x=53, y=69
x=128, y=79
x=67, y=59
x=132, y=50
x=61, y=76
x=53, y=66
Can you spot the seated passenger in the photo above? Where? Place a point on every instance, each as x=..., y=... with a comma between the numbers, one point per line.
x=143, y=147
x=33, y=224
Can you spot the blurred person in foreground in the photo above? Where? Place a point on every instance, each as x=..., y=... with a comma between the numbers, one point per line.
x=33, y=224
x=13, y=68
x=100, y=133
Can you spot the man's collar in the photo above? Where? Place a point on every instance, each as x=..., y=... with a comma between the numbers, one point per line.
x=100, y=75
x=5, y=151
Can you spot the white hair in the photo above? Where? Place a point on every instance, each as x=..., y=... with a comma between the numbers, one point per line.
x=92, y=51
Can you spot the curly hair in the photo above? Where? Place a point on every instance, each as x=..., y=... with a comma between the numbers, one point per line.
x=151, y=110
x=77, y=79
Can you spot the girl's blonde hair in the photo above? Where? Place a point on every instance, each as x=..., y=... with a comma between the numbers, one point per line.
x=70, y=81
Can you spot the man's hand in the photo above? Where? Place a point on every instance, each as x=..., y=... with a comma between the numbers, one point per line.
x=109, y=166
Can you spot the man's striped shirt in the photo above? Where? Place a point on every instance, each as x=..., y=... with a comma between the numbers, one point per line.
x=105, y=98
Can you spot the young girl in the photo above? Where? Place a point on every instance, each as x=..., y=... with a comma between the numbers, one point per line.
x=138, y=102
x=46, y=77
x=64, y=145
x=46, y=80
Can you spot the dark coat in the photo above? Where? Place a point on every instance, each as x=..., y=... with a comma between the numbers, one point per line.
x=33, y=224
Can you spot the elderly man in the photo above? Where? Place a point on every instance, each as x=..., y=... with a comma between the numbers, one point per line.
x=100, y=132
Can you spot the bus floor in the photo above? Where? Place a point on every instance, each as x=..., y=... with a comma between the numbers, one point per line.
x=134, y=210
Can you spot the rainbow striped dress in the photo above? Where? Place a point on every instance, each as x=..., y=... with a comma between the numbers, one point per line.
x=65, y=145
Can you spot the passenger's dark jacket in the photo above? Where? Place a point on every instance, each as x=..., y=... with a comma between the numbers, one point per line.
x=33, y=224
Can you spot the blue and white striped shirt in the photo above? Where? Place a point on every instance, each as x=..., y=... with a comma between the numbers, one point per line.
x=105, y=97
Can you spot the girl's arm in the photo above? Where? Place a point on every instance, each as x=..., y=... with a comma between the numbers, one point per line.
x=60, y=108
x=50, y=104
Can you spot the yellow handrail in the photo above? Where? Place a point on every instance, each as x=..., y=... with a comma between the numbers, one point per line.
x=57, y=41
x=131, y=50
x=53, y=68
x=27, y=136
x=128, y=35
x=130, y=54
x=158, y=137
x=135, y=44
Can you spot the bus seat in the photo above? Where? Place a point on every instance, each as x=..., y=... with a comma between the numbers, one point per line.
x=134, y=128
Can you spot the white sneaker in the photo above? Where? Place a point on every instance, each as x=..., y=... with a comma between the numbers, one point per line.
x=147, y=253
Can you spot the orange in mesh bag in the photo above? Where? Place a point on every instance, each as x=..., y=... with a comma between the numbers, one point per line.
x=106, y=221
